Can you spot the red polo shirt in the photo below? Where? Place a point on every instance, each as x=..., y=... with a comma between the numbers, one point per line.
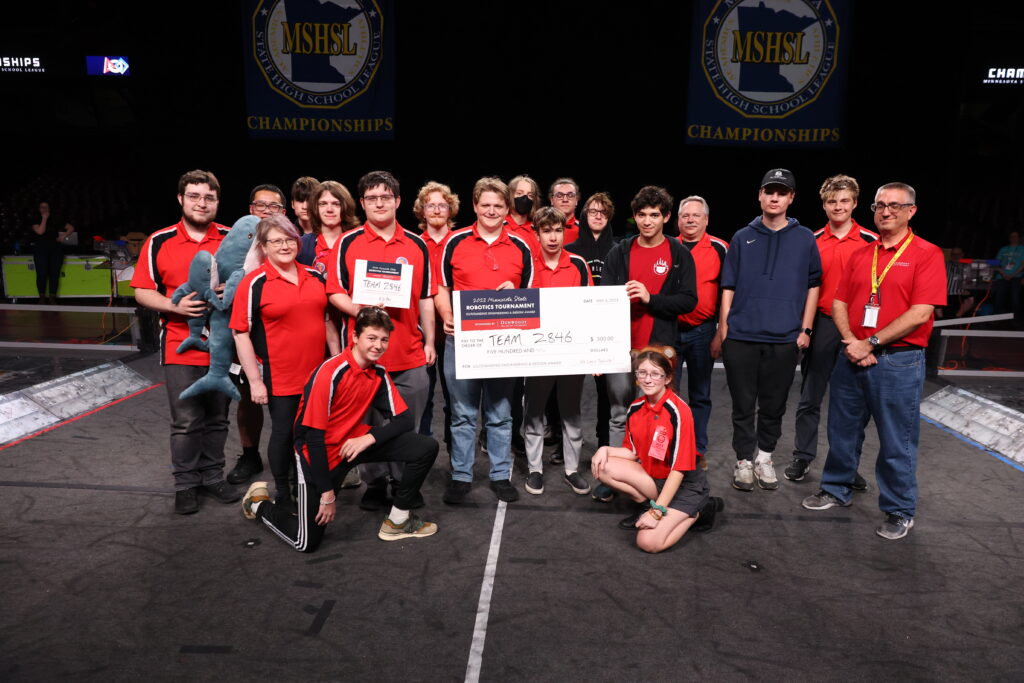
x=405, y=349
x=285, y=323
x=469, y=262
x=435, y=250
x=572, y=229
x=835, y=254
x=571, y=271
x=919, y=277
x=671, y=414
x=708, y=254
x=525, y=231
x=163, y=265
x=335, y=400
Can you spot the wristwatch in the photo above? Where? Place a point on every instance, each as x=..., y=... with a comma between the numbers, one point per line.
x=873, y=340
x=808, y=331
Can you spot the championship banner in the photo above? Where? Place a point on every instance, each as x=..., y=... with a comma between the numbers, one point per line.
x=319, y=69
x=533, y=332
x=768, y=73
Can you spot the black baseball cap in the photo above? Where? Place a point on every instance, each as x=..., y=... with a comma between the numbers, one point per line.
x=779, y=176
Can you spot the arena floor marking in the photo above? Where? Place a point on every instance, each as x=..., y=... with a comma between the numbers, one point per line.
x=79, y=417
x=972, y=442
x=483, y=608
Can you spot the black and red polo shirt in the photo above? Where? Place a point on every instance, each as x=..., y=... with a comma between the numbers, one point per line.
x=469, y=262
x=571, y=271
x=708, y=254
x=525, y=231
x=285, y=322
x=405, y=350
x=163, y=265
x=835, y=254
x=335, y=400
x=672, y=416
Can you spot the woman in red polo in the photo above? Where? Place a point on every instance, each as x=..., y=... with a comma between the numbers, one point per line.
x=657, y=463
x=278, y=318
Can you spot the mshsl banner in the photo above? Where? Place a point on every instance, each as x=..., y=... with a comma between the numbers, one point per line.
x=768, y=73
x=319, y=70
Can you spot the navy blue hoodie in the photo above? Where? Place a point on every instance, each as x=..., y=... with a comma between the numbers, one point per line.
x=770, y=272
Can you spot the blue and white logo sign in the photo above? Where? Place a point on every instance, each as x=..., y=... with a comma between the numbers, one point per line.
x=318, y=54
x=769, y=58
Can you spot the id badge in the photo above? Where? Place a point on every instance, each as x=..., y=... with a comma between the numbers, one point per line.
x=659, y=443
x=870, y=316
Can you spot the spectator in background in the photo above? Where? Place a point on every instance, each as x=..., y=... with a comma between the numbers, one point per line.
x=53, y=232
x=1006, y=285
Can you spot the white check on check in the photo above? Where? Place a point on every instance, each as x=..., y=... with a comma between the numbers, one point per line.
x=550, y=331
x=381, y=282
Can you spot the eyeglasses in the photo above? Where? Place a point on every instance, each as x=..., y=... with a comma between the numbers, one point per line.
x=895, y=207
x=595, y=213
x=688, y=216
x=564, y=195
x=272, y=207
x=279, y=242
x=645, y=374
x=195, y=198
x=379, y=198
x=436, y=207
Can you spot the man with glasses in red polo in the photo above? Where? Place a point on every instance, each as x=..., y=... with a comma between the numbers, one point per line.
x=884, y=310
x=411, y=347
x=199, y=425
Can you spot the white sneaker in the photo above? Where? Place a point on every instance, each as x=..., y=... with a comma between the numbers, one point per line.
x=743, y=477
x=764, y=470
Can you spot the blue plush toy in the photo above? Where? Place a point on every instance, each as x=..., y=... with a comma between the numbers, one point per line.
x=228, y=265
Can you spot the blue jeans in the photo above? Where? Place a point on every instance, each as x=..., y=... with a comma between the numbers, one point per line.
x=694, y=348
x=890, y=393
x=470, y=396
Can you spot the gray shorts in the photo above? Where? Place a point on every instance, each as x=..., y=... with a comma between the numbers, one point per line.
x=692, y=493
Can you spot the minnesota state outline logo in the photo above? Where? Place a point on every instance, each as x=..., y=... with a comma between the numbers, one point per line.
x=769, y=58
x=319, y=55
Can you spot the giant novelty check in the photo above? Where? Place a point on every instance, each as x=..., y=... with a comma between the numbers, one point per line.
x=550, y=331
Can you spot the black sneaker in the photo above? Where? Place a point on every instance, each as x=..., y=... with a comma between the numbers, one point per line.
x=602, y=493
x=186, y=502
x=558, y=458
x=535, y=483
x=629, y=523
x=707, y=514
x=895, y=526
x=859, y=483
x=246, y=467
x=577, y=483
x=456, y=492
x=222, y=492
x=504, y=490
x=796, y=470
x=823, y=500
x=375, y=498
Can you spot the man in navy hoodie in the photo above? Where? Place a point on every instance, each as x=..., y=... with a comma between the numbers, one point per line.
x=770, y=282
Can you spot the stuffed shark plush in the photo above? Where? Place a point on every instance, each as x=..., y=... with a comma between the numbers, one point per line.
x=234, y=258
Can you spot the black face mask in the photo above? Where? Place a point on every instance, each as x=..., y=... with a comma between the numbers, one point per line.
x=523, y=204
